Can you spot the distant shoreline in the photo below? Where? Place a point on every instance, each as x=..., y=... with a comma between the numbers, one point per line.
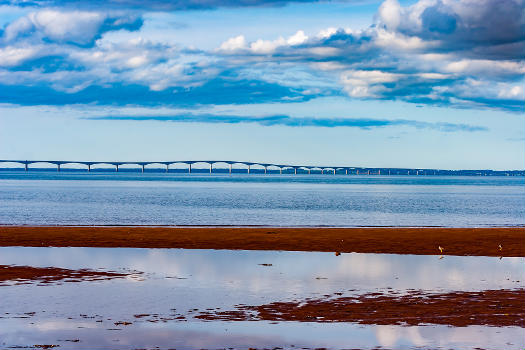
x=483, y=241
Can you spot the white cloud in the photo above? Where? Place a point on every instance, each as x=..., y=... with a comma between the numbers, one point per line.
x=73, y=27
x=390, y=14
x=485, y=67
x=13, y=56
x=297, y=39
x=234, y=44
x=266, y=46
x=360, y=83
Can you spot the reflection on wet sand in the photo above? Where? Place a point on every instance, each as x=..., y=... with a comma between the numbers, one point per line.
x=487, y=308
x=187, y=299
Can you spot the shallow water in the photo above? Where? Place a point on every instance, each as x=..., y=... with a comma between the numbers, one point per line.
x=176, y=281
x=50, y=198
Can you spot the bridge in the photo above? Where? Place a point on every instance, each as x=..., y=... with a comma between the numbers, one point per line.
x=267, y=167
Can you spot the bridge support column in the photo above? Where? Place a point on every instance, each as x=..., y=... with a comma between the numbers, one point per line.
x=143, y=165
x=346, y=171
x=116, y=167
x=281, y=171
x=265, y=170
x=309, y=171
x=295, y=171
x=89, y=168
x=368, y=173
x=334, y=171
x=379, y=172
x=230, y=169
x=167, y=168
x=189, y=168
x=211, y=168
x=248, y=169
x=322, y=171
x=58, y=167
x=25, y=166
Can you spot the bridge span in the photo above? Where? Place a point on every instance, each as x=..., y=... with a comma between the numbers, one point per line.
x=266, y=167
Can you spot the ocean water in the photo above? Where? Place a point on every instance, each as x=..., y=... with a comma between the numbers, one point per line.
x=76, y=198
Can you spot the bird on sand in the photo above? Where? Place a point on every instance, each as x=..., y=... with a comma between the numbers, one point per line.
x=500, y=247
x=440, y=249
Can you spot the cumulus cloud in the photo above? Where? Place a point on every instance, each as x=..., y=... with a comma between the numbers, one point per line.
x=69, y=27
x=462, y=53
x=481, y=28
x=429, y=52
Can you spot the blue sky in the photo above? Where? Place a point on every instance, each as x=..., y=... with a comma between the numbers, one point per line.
x=428, y=84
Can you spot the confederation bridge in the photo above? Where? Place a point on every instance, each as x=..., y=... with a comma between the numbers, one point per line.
x=265, y=168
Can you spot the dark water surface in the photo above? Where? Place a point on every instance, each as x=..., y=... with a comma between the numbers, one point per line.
x=175, y=282
x=51, y=198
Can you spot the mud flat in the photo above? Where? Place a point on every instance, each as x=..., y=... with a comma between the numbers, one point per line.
x=496, y=308
x=496, y=241
x=15, y=274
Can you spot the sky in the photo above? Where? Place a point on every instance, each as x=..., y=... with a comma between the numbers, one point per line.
x=420, y=84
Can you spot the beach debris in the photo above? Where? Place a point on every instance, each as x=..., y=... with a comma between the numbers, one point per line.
x=265, y=264
x=337, y=253
x=440, y=248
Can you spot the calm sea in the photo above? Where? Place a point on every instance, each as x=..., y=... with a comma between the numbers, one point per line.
x=50, y=198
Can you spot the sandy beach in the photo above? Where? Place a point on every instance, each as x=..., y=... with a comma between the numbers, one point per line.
x=498, y=241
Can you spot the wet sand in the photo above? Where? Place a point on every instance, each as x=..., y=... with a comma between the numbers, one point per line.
x=497, y=308
x=498, y=241
x=52, y=275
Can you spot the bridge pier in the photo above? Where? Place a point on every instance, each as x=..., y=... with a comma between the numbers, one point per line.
x=280, y=170
x=309, y=171
x=116, y=167
x=89, y=168
x=189, y=168
x=248, y=169
x=295, y=171
x=265, y=170
x=322, y=171
x=58, y=167
x=230, y=169
x=211, y=168
x=368, y=173
x=167, y=168
x=334, y=171
x=143, y=165
x=346, y=171
x=25, y=166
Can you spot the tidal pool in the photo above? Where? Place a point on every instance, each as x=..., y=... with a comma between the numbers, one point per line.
x=156, y=303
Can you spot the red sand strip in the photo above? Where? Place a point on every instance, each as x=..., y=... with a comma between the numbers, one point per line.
x=500, y=241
